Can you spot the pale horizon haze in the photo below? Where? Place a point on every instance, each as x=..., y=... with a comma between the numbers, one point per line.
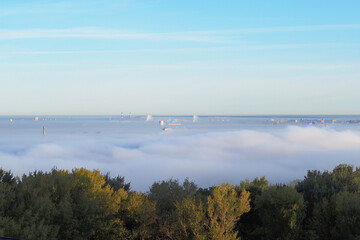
x=179, y=57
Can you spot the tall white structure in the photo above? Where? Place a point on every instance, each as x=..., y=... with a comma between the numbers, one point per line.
x=148, y=117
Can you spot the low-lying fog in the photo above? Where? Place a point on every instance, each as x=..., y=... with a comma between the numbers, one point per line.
x=207, y=150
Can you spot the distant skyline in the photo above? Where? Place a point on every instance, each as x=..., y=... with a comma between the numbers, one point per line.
x=179, y=57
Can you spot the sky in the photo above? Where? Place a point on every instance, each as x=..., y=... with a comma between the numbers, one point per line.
x=179, y=57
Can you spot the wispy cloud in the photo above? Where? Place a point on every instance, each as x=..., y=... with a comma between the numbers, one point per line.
x=243, y=47
x=224, y=36
x=196, y=65
x=333, y=27
x=111, y=34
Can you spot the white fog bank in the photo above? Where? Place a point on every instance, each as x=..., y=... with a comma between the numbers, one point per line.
x=208, y=157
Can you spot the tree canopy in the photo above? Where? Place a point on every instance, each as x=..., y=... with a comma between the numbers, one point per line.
x=86, y=204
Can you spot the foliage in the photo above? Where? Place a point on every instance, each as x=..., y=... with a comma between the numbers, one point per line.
x=84, y=204
x=60, y=205
x=166, y=194
x=116, y=183
x=338, y=218
x=281, y=210
x=319, y=190
x=214, y=220
x=191, y=218
x=249, y=224
x=224, y=209
x=139, y=214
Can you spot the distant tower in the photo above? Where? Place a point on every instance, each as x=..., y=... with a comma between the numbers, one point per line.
x=161, y=122
x=43, y=130
x=148, y=118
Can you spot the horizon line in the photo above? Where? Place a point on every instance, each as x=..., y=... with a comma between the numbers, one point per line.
x=160, y=115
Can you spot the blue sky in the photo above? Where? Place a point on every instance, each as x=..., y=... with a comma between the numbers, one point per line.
x=179, y=57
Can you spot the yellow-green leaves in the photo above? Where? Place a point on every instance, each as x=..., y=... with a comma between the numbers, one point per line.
x=140, y=216
x=217, y=218
x=224, y=208
x=93, y=185
x=191, y=218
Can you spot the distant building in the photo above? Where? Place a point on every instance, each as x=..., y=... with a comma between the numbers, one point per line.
x=354, y=121
x=36, y=118
x=148, y=118
x=175, y=124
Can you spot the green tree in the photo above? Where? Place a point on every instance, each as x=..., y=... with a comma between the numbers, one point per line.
x=191, y=219
x=224, y=209
x=117, y=182
x=317, y=185
x=281, y=210
x=249, y=223
x=337, y=218
x=8, y=184
x=166, y=194
x=34, y=210
x=95, y=205
x=139, y=214
x=318, y=188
